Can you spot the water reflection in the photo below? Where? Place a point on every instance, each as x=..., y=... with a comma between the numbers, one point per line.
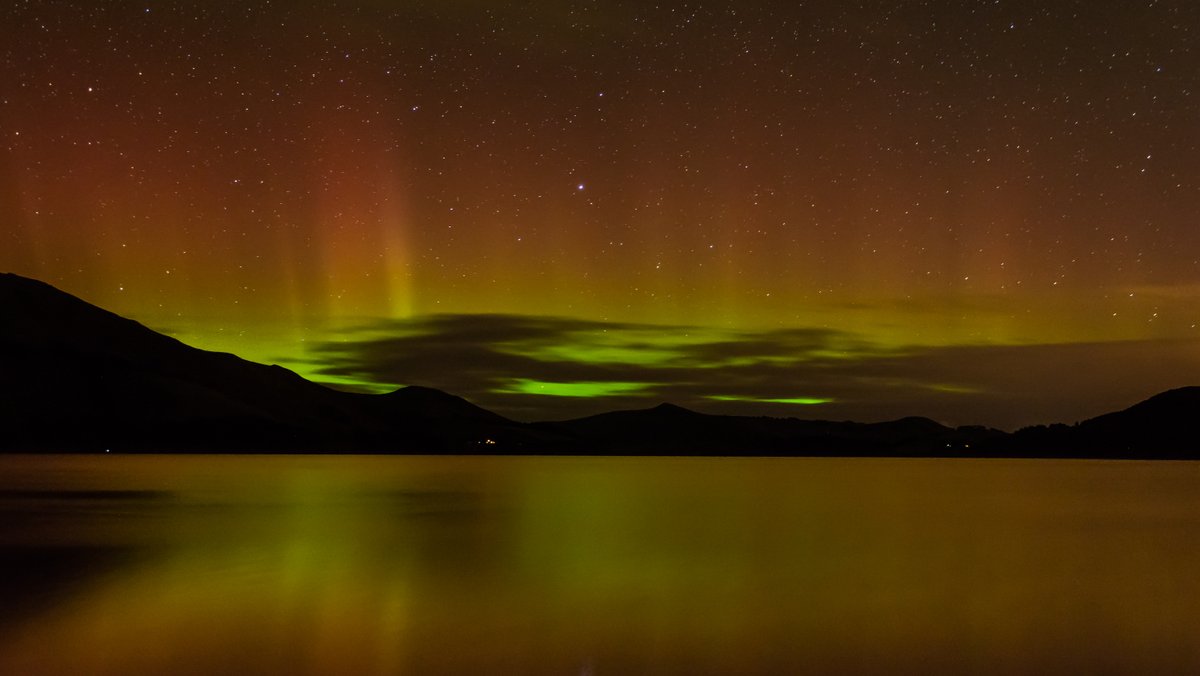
x=575, y=565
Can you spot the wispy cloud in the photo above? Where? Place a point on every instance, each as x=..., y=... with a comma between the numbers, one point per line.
x=544, y=368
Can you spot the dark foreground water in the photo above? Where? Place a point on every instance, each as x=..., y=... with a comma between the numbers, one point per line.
x=422, y=565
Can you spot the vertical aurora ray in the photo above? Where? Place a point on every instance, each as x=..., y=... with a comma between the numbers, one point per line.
x=253, y=176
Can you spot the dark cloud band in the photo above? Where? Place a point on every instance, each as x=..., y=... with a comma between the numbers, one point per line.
x=545, y=367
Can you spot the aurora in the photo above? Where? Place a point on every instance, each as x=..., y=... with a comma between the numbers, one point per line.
x=967, y=212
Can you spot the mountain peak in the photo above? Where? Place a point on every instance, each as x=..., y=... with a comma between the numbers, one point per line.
x=414, y=391
x=672, y=409
x=429, y=402
x=1190, y=394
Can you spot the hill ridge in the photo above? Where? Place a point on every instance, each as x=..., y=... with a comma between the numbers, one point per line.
x=76, y=377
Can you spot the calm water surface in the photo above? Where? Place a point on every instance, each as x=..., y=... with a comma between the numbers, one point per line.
x=427, y=565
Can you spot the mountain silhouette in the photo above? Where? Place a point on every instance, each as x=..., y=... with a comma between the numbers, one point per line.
x=1164, y=426
x=77, y=378
x=670, y=429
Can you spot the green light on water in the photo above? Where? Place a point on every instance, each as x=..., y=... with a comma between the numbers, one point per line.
x=798, y=401
x=580, y=389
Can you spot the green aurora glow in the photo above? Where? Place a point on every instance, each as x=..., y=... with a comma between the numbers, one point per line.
x=935, y=208
x=580, y=389
x=798, y=401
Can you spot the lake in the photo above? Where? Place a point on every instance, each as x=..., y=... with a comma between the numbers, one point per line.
x=522, y=565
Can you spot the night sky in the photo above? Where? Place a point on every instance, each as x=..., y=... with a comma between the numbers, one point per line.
x=982, y=212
